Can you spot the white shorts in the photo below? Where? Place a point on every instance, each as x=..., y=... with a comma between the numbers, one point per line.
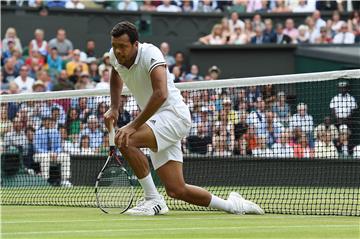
x=169, y=127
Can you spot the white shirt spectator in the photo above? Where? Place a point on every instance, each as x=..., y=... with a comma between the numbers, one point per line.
x=323, y=150
x=305, y=122
x=102, y=85
x=344, y=38
x=282, y=150
x=24, y=86
x=356, y=152
x=262, y=153
x=74, y=4
x=168, y=8
x=343, y=105
x=320, y=23
x=257, y=119
x=303, y=8
x=128, y=5
x=238, y=23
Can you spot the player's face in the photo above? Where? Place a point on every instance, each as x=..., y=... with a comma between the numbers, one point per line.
x=124, y=50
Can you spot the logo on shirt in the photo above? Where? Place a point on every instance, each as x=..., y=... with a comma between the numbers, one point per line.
x=153, y=121
x=152, y=61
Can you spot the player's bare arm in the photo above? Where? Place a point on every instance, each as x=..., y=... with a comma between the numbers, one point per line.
x=116, y=86
x=158, y=97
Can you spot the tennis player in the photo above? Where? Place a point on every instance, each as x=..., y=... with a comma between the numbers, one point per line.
x=164, y=120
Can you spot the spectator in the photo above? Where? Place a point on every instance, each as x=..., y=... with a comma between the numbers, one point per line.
x=63, y=82
x=324, y=37
x=54, y=62
x=166, y=6
x=9, y=72
x=104, y=81
x=257, y=22
x=56, y=115
x=38, y=43
x=324, y=147
x=329, y=5
x=76, y=61
x=90, y=50
x=180, y=62
x=252, y=95
x=16, y=137
x=105, y=64
x=5, y=123
x=10, y=35
x=187, y=6
x=147, y=6
x=280, y=37
x=84, y=146
x=290, y=30
x=94, y=71
x=250, y=138
x=303, y=6
x=104, y=147
x=220, y=140
x=66, y=144
x=214, y=73
x=84, y=82
x=93, y=131
x=63, y=45
x=325, y=127
x=56, y=3
x=74, y=4
x=257, y=117
x=249, y=29
x=226, y=32
x=206, y=6
x=35, y=58
x=269, y=33
x=238, y=37
x=335, y=23
x=165, y=50
x=303, y=37
x=302, y=120
x=343, y=105
x=102, y=107
x=282, y=148
x=258, y=38
x=344, y=36
x=24, y=82
x=47, y=145
x=240, y=129
x=264, y=7
x=29, y=151
x=73, y=124
x=313, y=32
x=319, y=22
x=201, y=142
x=38, y=86
x=11, y=49
x=343, y=144
x=43, y=76
x=215, y=37
x=273, y=127
x=176, y=72
x=127, y=5
x=354, y=24
x=356, y=152
x=262, y=150
x=269, y=95
x=238, y=6
x=194, y=75
x=13, y=88
x=302, y=148
x=124, y=115
x=280, y=7
x=235, y=21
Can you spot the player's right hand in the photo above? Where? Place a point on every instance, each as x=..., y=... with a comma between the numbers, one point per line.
x=110, y=118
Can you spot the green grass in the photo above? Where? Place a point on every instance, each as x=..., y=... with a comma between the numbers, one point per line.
x=67, y=222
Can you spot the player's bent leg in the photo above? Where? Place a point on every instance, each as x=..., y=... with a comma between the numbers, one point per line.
x=172, y=177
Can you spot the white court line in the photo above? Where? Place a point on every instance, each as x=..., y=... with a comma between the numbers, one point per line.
x=161, y=218
x=177, y=229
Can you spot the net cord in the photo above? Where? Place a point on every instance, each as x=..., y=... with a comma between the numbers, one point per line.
x=196, y=85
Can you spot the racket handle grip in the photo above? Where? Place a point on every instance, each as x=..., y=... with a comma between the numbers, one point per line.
x=112, y=136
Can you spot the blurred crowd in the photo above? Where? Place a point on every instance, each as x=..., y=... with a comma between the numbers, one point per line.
x=314, y=30
x=240, y=6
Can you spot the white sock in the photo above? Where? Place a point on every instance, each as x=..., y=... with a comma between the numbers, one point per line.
x=219, y=203
x=148, y=185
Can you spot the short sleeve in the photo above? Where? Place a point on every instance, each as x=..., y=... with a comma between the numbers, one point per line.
x=153, y=58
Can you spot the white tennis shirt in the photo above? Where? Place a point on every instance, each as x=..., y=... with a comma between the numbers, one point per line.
x=138, y=80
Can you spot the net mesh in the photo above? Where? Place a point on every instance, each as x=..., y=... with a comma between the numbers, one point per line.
x=290, y=143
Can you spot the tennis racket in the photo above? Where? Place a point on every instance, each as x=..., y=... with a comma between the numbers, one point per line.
x=113, y=188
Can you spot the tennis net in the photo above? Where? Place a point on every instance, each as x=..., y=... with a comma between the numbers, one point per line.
x=291, y=143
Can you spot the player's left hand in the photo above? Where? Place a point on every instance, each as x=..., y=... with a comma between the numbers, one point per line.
x=123, y=134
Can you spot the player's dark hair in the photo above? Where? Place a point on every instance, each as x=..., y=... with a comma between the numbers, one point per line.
x=127, y=28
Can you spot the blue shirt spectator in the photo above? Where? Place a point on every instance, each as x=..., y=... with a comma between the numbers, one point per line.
x=47, y=139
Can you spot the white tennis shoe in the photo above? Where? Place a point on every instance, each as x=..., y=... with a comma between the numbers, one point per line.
x=242, y=206
x=150, y=207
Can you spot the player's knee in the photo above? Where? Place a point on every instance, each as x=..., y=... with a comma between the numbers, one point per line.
x=176, y=192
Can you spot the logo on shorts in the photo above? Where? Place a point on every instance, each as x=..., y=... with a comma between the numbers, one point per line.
x=153, y=121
